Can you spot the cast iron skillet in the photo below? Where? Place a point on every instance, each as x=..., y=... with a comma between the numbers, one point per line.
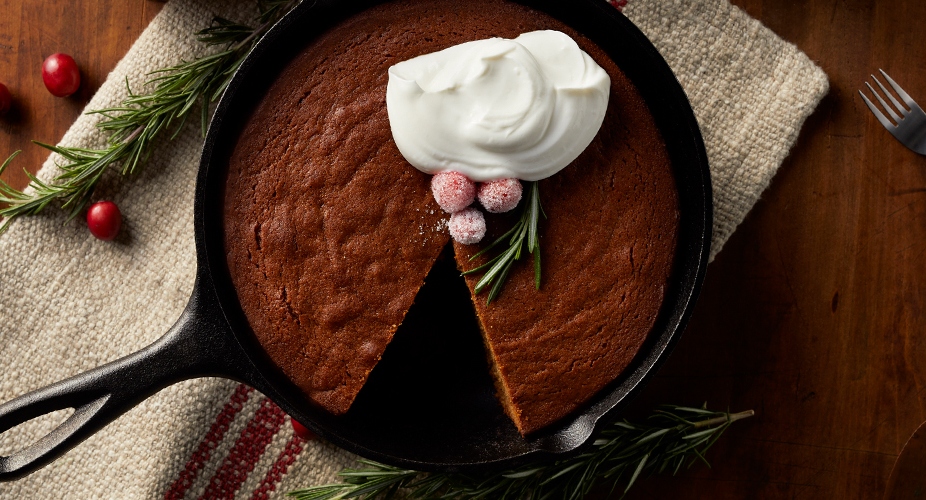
x=429, y=405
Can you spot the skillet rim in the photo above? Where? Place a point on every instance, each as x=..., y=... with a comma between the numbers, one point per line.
x=657, y=84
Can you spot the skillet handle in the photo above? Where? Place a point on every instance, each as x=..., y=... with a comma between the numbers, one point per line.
x=199, y=344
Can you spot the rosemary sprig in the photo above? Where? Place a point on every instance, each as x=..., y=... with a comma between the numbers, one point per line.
x=139, y=120
x=669, y=439
x=525, y=230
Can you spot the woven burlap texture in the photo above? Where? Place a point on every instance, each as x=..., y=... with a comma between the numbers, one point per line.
x=70, y=302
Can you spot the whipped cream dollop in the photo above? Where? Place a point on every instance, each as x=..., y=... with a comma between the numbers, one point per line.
x=498, y=108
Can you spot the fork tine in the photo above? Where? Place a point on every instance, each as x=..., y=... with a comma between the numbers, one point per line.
x=880, y=116
x=903, y=95
x=890, y=96
x=889, y=110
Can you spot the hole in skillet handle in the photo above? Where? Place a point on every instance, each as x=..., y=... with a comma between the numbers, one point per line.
x=30, y=431
x=36, y=404
x=198, y=345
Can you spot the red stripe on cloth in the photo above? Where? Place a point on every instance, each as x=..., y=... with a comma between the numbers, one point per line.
x=275, y=474
x=618, y=4
x=204, y=451
x=244, y=455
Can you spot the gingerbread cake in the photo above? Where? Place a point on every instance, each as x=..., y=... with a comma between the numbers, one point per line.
x=607, y=248
x=330, y=233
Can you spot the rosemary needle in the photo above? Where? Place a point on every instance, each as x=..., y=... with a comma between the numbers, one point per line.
x=673, y=437
x=134, y=125
x=523, y=232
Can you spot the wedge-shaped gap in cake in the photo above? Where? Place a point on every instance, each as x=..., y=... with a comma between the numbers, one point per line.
x=434, y=375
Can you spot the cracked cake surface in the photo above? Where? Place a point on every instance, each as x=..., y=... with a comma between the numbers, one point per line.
x=329, y=232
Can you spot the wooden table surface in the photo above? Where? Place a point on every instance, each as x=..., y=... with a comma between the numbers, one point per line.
x=812, y=315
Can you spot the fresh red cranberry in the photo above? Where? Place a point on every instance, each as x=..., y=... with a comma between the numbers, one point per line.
x=6, y=99
x=104, y=220
x=60, y=74
x=301, y=430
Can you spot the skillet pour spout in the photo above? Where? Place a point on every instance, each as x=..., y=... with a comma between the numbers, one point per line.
x=213, y=336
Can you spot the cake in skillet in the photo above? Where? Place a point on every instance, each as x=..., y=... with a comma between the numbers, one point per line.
x=607, y=248
x=329, y=232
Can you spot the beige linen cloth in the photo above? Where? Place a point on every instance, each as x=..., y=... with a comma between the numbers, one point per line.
x=70, y=303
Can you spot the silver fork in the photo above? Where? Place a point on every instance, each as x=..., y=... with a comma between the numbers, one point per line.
x=910, y=128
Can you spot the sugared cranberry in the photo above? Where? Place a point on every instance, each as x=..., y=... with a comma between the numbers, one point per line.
x=500, y=195
x=60, y=74
x=453, y=191
x=104, y=220
x=301, y=430
x=6, y=99
x=468, y=226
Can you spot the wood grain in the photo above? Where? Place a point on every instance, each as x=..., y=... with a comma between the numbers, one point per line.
x=812, y=314
x=95, y=33
x=907, y=478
